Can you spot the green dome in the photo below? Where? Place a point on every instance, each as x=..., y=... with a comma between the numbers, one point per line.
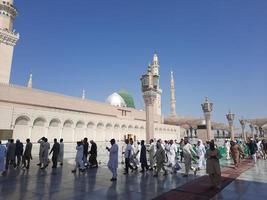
x=127, y=98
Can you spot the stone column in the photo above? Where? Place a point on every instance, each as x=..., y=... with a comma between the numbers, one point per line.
x=207, y=108
x=60, y=131
x=230, y=117
x=149, y=98
x=252, y=131
x=256, y=131
x=84, y=132
x=73, y=134
x=243, y=126
x=30, y=132
x=46, y=131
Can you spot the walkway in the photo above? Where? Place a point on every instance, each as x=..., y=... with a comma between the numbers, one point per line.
x=95, y=184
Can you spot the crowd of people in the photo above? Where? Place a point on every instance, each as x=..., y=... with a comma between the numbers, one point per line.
x=157, y=156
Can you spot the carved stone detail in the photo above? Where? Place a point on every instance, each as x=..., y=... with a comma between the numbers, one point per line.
x=10, y=9
x=8, y=37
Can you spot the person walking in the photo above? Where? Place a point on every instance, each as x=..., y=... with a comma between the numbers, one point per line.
x=134, y=152
x=188, y=152
x=3, y=152
x=160, y=158
x=172, y=155
x=18, y=153
x=79, y=158
x=93, y=154
x=113, y=159
x=234, y=149
x=181, y=145
x=41, y=151
x=201, y=151
x=46, y=147
x=151, y=151
x=213, y=165
x=27, y=156
x=138, y=153
x=127, y=156
x=55, y=149
x=264, y=148
x=11, y=150
x=143, y=159
x=252, y=146
x=85, y=151
x=61, y=152
x=227, y=146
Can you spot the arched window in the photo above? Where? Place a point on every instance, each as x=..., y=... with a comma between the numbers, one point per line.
x=100, y=125
x=80, y=124
x=116, y=126
x=90, y=125
x=109, y=126
x=54, y=123
x=22, y=120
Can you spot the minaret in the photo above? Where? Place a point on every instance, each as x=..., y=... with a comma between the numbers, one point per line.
x=83, y=94
x=30, y=82
x=8, y=38
x=155, y=71
x=173, y=101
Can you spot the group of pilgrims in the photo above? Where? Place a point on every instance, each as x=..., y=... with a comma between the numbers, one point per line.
x=155, y=157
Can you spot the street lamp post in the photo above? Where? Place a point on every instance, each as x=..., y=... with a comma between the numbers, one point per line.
x=230, y=117
x=243, y=126
x=207, y=108
x=149, y=89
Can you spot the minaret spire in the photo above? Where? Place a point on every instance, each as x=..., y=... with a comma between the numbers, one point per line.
x=173, y=101
x=83, y=94
x=29, y=85
x=155, y=72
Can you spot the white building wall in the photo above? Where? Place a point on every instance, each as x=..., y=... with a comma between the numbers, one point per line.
x=96, y=127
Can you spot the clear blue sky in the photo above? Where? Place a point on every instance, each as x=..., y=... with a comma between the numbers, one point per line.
x=216, y=49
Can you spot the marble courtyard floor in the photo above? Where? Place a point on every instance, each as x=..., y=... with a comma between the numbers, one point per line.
x=60, y=183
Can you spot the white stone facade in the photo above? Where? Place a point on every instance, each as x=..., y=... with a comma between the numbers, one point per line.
x=33, y=113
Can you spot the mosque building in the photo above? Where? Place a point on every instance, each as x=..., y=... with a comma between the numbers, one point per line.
x=26, y=112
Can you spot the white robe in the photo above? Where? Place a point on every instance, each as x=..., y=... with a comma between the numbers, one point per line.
x=227, y=147
x=61, y=152
x=113, y=156
x=45, y=155
x=171, y=154
x=2, y=157
x=79, y=153
x=138, y=154
x=201, y=151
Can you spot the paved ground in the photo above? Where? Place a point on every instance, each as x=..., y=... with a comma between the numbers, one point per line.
x=95, y=183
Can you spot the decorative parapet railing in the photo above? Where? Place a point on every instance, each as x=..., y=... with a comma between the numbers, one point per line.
x=8, y=37
x=9, y=9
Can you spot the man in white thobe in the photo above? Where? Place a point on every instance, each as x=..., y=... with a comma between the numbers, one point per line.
x=172, y=155
x=227, y=149
x=41, y=151
x=188, y=152
x=46, y=147
x=201, y=151
x=79, y=158
x=61, y=152
x=113, y=159
x=152, y=152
